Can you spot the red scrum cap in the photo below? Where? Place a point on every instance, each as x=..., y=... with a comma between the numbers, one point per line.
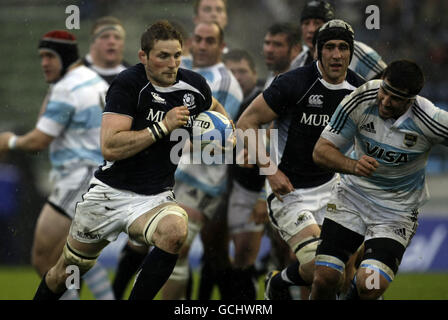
x=63, y=44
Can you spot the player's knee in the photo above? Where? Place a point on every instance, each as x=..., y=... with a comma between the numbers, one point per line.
x=329, y=272
x=171, y=226
x=175, y=233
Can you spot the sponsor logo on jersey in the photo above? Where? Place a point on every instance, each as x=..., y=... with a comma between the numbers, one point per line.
x=410, y=139
x=155, y=116
x=157, y=98
x=369, y=127
x=315, y=101
x=188, y=100
x=316, y=120
x=387, y=156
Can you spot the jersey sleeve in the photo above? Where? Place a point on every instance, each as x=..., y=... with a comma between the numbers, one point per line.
x=341, y=129
x=58, y=113
x=122, y=97
x=439, y=126
x=278, y=94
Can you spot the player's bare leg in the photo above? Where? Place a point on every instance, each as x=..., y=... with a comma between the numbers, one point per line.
x=370, y=284
x=176, y=286
x=75, y=253
x=49, y=238
x=167, y=232
x=300, y=272
x=327, y=283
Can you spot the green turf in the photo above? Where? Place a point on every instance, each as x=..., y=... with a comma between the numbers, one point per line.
x=20, y=283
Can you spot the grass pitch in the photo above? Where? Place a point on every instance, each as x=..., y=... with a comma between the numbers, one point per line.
x=20, y=283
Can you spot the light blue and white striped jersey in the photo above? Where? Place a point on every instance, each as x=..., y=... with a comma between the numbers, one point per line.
x=73, y=117
x=366, y=62
x=225, y=88
x=400, y=146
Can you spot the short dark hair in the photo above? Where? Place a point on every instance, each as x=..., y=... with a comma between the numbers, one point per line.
x=238, y=55
x=160, y=30
x=292, y=31
x=198, y=2
x=405, y=75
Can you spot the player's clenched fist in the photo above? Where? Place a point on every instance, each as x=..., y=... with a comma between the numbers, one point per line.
x=176, y=118
x=365, y=166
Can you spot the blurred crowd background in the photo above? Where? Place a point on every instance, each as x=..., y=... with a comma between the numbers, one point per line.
x=408, y=29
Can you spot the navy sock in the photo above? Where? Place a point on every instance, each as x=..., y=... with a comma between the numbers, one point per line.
x=292, y=272
x=129, y=262
x=243, y=281
x=45, y=293
x=156, y=269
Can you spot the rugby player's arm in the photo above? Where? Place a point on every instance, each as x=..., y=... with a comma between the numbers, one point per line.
x=33, y=141
x=119, y=142
x=256, y=114
x=327, y=155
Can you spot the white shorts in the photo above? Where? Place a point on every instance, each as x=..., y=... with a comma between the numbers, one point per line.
x=241, y=204
x=366, y=218
x=105, y=212
x=300, y=208
x=197, y=199
x=68, y=189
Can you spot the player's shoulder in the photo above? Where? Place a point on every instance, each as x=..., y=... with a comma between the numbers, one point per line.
x=371, y=86
x=424, y=106
x=354, y=78
x=361, y=98
x=363, y=46
x=190, y=76
x=79, y=77
x=132, y=77
x=300, y=77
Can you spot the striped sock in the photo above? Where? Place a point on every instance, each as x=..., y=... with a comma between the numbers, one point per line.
x=98, y=282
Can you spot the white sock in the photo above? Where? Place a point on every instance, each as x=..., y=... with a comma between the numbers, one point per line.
x=98, y=282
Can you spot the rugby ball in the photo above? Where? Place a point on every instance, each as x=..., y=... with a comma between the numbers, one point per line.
x=211, y=127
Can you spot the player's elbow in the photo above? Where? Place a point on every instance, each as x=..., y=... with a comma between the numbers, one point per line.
x=109, y=154
x=319, y=154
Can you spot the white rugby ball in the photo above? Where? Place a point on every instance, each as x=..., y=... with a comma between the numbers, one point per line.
x=213, y=127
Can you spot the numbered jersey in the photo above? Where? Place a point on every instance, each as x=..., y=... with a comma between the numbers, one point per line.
x=400, y=146
x=304, y=103
x=73, y=117
x=131, y=94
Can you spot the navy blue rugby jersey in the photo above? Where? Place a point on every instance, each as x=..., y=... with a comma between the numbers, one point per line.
x=304, y=103
x=131, y=93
